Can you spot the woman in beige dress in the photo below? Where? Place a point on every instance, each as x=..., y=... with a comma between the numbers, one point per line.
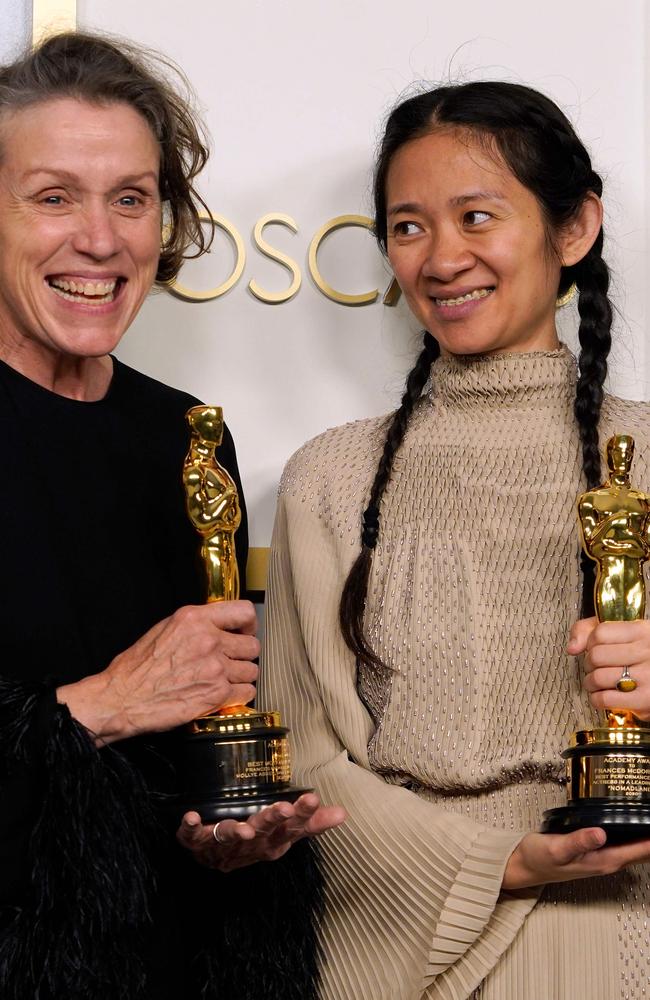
x=425, y=635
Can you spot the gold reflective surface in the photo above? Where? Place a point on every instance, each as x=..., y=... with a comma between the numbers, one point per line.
x=212, y=503
x=275, y=298
x=615, y=532
x=189, y=294
x=340, y=222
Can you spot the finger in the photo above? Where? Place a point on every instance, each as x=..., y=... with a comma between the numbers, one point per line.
x=233, y=616
x=607, y=633
x=238, y=646
x=307, y=805
x=579, y=634
x=617, y=655
x=190, y=831
x=240, y=694
x=325, y=818
x=571, y=847
x=232, y=832
x=601, y=679
x=628, y=854
x=269, y=820
x=241, y=671
x=618, y=701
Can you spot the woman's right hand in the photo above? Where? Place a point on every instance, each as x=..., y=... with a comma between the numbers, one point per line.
x=196, y=660
x=540, y=858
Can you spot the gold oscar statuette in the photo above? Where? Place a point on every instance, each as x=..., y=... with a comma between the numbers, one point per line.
x=234, y=761
x=608, y=768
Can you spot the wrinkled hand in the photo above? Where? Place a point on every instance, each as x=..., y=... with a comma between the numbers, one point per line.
x=196, y=660
x=559, y=857
x=266, y=836
x=608, y=647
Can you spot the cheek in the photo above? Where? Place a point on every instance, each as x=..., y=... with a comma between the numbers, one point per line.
x=405, y=267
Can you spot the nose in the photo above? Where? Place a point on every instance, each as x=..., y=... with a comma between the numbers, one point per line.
x=449, y=254
x=96, y=233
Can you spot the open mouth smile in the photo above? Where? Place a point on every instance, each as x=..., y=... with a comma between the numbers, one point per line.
x=89, y=292
x=477, y=293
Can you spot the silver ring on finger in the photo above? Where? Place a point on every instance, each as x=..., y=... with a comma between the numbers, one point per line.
x=215, y=829
x=626, y=682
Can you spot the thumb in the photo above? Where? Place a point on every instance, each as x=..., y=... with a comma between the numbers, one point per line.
x=579, y=635
x=573, y=845
x=190, y=831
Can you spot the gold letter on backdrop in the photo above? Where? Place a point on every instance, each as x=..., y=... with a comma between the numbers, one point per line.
x=274, y=298
x=182, y=292
x=340, y=222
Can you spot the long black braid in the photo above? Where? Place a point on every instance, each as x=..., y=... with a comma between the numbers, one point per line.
x=539, y=145
x=354, y=593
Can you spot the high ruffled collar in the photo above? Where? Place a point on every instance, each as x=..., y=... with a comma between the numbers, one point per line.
x=464, y=380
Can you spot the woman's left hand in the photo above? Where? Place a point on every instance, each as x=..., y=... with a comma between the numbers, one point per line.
x=608, y=648
x=266, y=836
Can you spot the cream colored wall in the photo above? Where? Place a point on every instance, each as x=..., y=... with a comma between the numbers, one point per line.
x=293, y=93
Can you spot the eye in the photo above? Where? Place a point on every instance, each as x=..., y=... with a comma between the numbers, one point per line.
x=52, y=199
x=406, y=228
x=475, y=217
x=129, y=201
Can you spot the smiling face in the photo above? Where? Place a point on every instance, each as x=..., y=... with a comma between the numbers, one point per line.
x=469, y=247
x=80, y=219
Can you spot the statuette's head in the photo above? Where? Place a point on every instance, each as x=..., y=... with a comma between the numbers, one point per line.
x=620, y=451
x=206, y=423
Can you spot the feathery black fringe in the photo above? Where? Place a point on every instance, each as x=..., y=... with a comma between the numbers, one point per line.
x=84, y=931
x=270, y=914
x=86, y=910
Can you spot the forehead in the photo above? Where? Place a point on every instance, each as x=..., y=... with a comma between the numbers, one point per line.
x=65, y=132
x=447, y=163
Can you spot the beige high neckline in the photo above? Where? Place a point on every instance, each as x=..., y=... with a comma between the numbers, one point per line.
x=515, y=378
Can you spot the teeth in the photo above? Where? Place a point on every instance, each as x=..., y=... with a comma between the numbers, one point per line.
x=83, y=297
x=478, y=293
x=85, y=288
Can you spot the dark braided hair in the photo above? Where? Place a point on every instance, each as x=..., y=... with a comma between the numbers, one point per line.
x=540, y=147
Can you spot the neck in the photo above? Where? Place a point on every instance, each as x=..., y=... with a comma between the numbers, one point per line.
x=85, y=379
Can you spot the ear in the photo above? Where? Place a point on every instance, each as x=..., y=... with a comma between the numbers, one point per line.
x=578, y=237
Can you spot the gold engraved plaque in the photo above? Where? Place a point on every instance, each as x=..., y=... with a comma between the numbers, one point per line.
x=608, y=768
x=234, y=761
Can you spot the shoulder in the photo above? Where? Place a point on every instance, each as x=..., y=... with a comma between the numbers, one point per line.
x=626, y=416
x=629, y=416
x=144, y=391
x=342, y=460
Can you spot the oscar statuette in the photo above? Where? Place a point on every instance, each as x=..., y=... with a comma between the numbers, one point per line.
x=608, y=768
x=234, y=761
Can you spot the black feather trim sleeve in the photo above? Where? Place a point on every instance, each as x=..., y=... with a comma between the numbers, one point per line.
x=111, y=907
x=74, y=932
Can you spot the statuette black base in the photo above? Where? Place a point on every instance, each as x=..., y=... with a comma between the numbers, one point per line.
x=214, y=808
x=234, y=763
x=622, y=822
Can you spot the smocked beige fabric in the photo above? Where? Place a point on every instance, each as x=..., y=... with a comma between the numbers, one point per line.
x=446, y=758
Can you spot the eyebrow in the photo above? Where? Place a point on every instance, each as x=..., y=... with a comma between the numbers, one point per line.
x=129, y=180
x=461, y=199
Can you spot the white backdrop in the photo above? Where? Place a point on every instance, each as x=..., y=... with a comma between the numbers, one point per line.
x=293, y=92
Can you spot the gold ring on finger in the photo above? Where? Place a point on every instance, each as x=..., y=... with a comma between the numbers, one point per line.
x=626, y=682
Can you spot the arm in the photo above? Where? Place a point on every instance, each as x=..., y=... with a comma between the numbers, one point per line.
x=419, y=887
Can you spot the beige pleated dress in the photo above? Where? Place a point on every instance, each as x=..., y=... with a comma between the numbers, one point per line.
x=446, y=758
